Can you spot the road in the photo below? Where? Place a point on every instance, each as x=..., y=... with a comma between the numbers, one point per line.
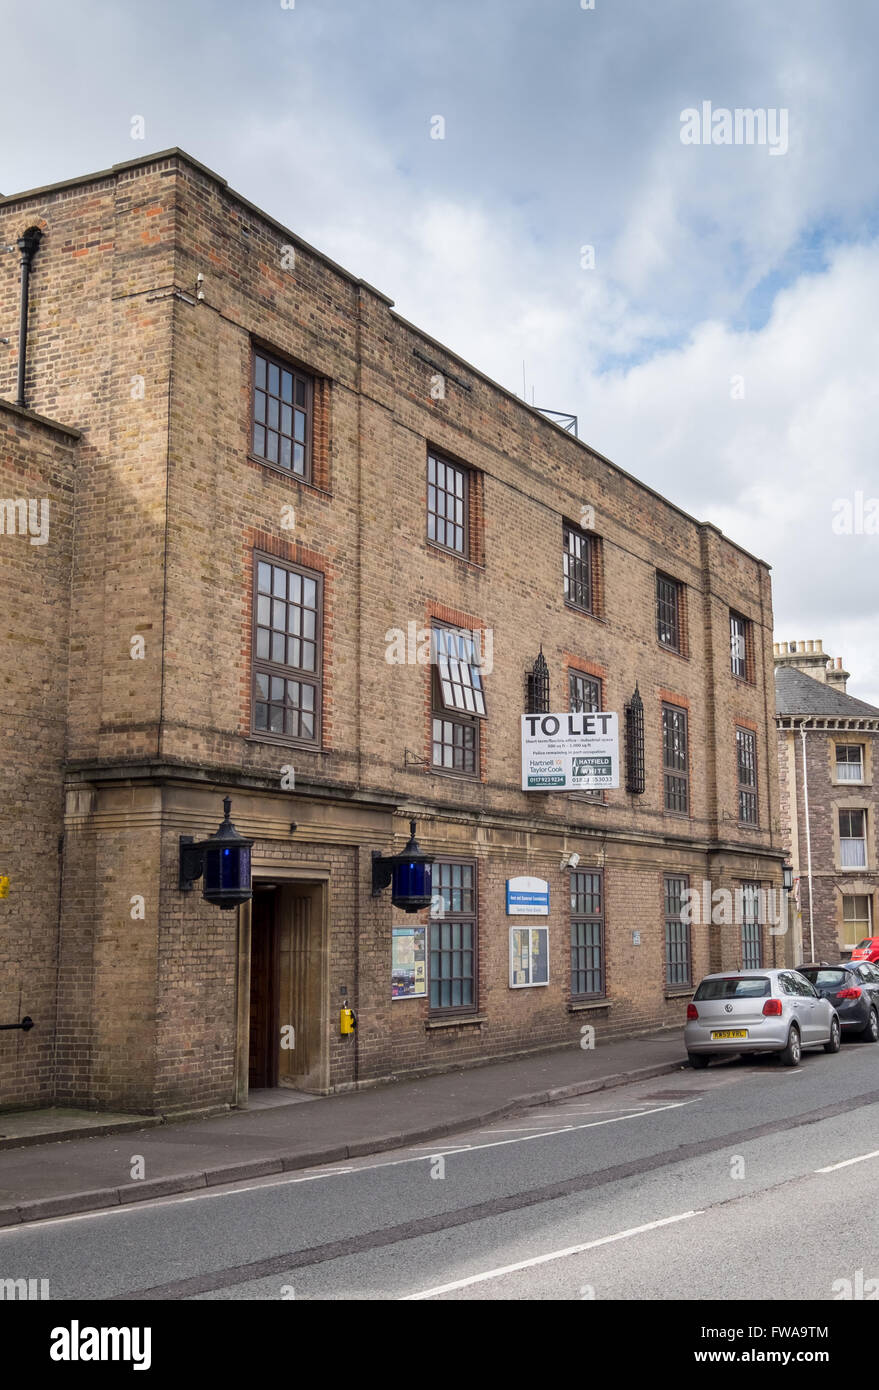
x=749, y=1180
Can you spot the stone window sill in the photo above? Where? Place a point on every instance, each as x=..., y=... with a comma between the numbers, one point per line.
x=463, y=1021
x=672, y=651
x=681, y=993
x=587, y=1005
x=585, y=613
x=464, y=560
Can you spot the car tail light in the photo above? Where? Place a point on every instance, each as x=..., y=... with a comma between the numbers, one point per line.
x=692, y=1011
x=851, y=993
x=772, y=1007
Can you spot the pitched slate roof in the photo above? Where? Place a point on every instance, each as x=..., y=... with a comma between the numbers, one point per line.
x=797, y=693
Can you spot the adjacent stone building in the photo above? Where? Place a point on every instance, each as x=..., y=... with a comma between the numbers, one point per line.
x=270, y=496
x=827, y=748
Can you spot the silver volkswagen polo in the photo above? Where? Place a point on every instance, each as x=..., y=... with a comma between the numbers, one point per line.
x=758, y=1011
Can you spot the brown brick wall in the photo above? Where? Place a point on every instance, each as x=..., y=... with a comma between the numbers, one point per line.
x=36, y=462
x=827, y=796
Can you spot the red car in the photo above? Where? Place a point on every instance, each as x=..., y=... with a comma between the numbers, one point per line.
x=868, y=949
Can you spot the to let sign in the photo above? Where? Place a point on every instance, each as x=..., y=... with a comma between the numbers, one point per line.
x=570, y=752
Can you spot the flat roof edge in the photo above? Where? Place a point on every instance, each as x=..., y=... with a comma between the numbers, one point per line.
x=34, y=418
x=589, y=448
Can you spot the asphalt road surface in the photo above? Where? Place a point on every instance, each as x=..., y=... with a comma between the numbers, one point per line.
x=746, y=1181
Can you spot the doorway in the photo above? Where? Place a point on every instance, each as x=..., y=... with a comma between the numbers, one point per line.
x=286, y=987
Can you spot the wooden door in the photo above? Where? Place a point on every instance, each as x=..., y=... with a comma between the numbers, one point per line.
x=263, y=1068
x=300, y=959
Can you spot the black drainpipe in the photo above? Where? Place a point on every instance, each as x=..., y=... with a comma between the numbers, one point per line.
x=27, y=245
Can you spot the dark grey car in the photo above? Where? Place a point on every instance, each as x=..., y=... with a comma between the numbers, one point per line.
x=852, y=987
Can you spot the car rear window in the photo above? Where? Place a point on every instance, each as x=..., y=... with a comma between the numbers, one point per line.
x=752, y=987
x=826, y=977
x=867, y=941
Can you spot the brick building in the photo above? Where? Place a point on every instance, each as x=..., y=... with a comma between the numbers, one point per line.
x=827, y=748
x=265, y=489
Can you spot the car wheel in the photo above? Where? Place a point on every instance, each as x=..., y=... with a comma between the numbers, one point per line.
x=832, y=1044
x=698, y=1060
x=793, y=1052
x=871, y=1032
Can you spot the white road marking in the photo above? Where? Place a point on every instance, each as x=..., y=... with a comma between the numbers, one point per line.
x=546, y=1259
x=233, y=1191
x=516, y=1129
x=847, y=1162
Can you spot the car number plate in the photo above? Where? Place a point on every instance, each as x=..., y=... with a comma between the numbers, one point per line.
x=729, y=1033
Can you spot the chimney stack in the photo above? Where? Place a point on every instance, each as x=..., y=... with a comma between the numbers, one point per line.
x=810, y=657
x=836, y=675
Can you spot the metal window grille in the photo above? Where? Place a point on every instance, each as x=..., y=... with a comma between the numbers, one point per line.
x=634, y=721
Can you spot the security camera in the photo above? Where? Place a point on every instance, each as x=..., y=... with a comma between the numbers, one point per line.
x=571, y=862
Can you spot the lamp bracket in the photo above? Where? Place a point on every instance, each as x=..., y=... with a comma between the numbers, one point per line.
x=382, y=872
x=191, y=863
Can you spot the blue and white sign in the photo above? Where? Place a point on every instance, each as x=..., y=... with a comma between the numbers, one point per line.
x=527, y=897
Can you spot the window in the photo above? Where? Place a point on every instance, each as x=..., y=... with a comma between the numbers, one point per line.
x=853, y=839
x=734, y=988
x=287, y=652
x=850, y=762
x=678, y=968
x=741, y=643
x=458, y=700
x=828, y=979
x=675, y=765
x=448, y=504
x=752, y=937
x=746, y=758
x=529, y=956
x=578, y=564
x=857, y=917
x=453, y=937
x=584, y=693
x=584, y=697
x=668, y=612
x=587, y=935
x=282, y=410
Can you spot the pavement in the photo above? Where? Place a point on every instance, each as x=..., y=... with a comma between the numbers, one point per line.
x=123, y=1159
